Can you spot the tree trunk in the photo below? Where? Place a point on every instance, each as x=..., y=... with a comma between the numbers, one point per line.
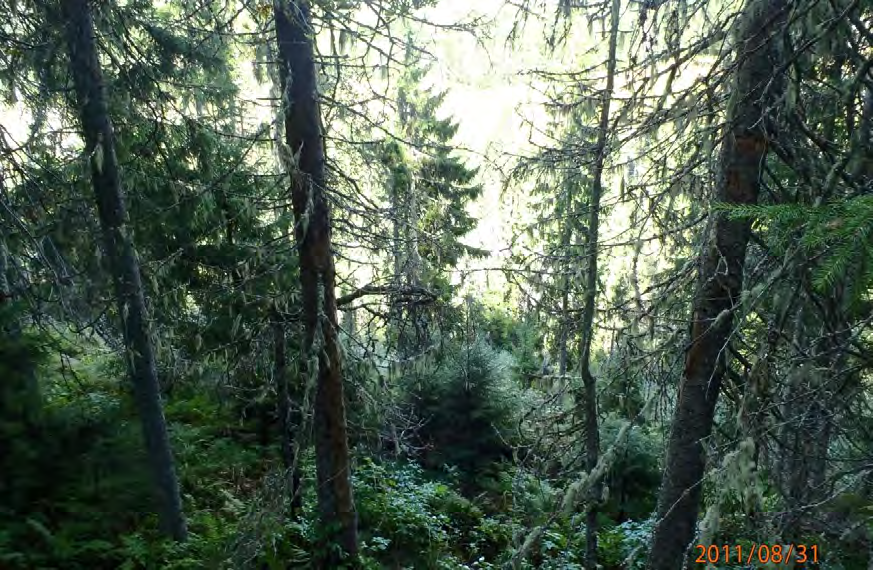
x=5, y=289
x=719, y=283
x=586, y=326
x=303, y=140
x=140, y=355
x=568, y=190
x=792, y=465
x=410, y=219
x=418, y=336
x=398, y=219
x=289, y=419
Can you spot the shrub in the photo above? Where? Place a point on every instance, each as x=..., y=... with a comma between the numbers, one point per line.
x=467, y=410
x=408, y=519
x=635, y=476
x=21, y=409
x=627, y=542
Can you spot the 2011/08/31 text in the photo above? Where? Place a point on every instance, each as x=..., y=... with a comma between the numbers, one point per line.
x=760, y=553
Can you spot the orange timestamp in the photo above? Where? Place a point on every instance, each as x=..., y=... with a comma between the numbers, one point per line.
x=756, y=553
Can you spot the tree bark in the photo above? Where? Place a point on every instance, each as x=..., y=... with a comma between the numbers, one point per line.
x=105, y=177
x=289, y=417
x=565, y=267
x=5, y=291
x=719, y=282
x=586, y=326
x=304, y=142
x=397, y=220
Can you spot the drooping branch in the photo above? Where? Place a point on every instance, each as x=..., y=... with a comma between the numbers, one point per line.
x=408, y=293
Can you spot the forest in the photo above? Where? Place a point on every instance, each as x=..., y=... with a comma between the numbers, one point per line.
x=429, y=284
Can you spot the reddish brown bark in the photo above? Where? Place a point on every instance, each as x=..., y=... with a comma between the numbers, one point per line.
x=720, y=282
x=303, y=138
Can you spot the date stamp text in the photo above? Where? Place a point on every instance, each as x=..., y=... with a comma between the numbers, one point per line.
x=756, y=553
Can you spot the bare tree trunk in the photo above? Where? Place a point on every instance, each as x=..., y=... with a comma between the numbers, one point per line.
x=5, y=290
x=140, y=355
x=808, y=422
x=564, y=333
x=398, y=220
x=289, y=401
x=719, y=284
x=413, y=267
x=304, y=142
x=289, y=419
x=792, y=465
x=586, y=326
x=565, y=265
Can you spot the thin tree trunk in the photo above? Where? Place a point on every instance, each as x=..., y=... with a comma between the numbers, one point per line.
x=5, y=289
x=288, y=405
x=564, y=333
x=303, y=139
x=410, y=218
x=140, y=355
x=586, y=326
x=413, y=268
x=792, y=467
x=289, y=421
x=720, y=282
x=398, y=219
x=564, y=324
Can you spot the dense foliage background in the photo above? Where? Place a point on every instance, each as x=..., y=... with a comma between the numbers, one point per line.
x=397, y=284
